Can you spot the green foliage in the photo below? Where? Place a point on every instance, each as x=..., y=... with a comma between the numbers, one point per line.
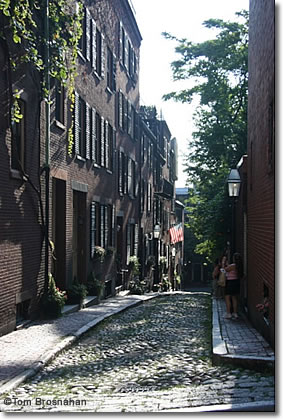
x=137, y=286
x=53, y=302
x=99, y=253
x=95, y=286
x=76, y=293
x=218, y=69
x=165, y=283
x=22, y=21
x=135, y=265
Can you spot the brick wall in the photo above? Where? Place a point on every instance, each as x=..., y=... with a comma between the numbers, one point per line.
x=21, y=271
x=260, y=187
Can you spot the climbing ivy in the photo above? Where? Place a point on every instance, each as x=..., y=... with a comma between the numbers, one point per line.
x=22, y=23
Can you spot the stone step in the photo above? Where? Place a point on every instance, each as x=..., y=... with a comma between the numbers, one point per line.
x=88, y=301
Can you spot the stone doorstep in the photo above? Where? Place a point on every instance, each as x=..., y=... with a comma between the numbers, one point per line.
x=88, y=301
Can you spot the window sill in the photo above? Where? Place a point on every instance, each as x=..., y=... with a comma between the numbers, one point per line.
x=60, y=125
x=80, y=158
x=109, y=91
x=16, y=174
x=97, y=75
x=80, y=54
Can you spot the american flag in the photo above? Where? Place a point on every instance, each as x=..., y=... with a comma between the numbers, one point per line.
x=176, y=233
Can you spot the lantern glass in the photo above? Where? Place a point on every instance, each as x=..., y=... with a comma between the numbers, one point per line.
x=234, y=183
x=156, y=232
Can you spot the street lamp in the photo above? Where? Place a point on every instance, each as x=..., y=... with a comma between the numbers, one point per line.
x=156, y=232
x=234, y=183
x=156, y=236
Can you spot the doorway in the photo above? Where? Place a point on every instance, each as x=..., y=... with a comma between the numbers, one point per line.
x=59, y=231
x=79, y=237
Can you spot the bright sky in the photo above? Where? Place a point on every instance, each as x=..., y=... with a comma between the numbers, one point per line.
x=182, y=18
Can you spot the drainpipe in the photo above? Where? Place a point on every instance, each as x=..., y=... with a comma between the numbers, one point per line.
x=47, y=139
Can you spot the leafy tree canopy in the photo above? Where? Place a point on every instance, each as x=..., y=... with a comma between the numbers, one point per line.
x=218, y=69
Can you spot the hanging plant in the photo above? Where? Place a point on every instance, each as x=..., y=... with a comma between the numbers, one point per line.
x=99, y=253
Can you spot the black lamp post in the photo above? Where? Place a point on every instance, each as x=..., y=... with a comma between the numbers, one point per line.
x=156, y=236
x=234, y=183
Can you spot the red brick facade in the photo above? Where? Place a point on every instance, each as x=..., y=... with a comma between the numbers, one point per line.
x=260, y=178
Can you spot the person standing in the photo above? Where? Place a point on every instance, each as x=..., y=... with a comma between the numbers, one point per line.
x=234, y=273
x=220, y=264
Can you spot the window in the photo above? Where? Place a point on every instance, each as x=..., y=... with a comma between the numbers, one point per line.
x=101, y=225
x=82, y=131
x=18, y=138
x=59, y=102
x=127, y=55
x=149, y=198
x=83, y=40
x=122, y=167
x=81, y=127
x=127, y=116
x=99, y=49
x=132, y=240
x=111, y=70
x=110, y=141
x=98, y=138
x=94, y=240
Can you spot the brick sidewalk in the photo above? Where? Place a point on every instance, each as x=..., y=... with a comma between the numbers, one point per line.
x=237, y=341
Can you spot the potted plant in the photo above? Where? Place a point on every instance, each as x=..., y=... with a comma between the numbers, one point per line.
x=76, y=293
x=135, y=265
x=52, y=302
x=95, y=286
x=99, y=253
x=137, y=286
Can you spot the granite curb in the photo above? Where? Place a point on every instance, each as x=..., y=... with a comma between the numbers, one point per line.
x=264, y=406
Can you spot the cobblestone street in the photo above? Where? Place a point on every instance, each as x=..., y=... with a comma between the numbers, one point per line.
x=150, y=358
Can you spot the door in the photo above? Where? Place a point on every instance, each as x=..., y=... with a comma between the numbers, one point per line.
x=59, y=231
x=79, y=236
x=120, y=254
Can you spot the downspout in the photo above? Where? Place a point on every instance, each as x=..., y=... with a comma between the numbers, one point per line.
x=47, y=140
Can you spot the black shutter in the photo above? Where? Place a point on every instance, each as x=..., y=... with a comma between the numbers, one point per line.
x=93, y=222
x=93, y=135
x=88, y=116
x=93, y=45
x=77, y=124
x=103, y=54
x=87, y=37
x=102, y=150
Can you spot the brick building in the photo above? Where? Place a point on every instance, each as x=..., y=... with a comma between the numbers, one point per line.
x=108, y=193
x=256, y=206
x=21, y=233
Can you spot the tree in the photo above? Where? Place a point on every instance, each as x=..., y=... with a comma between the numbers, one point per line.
x=219, y=69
